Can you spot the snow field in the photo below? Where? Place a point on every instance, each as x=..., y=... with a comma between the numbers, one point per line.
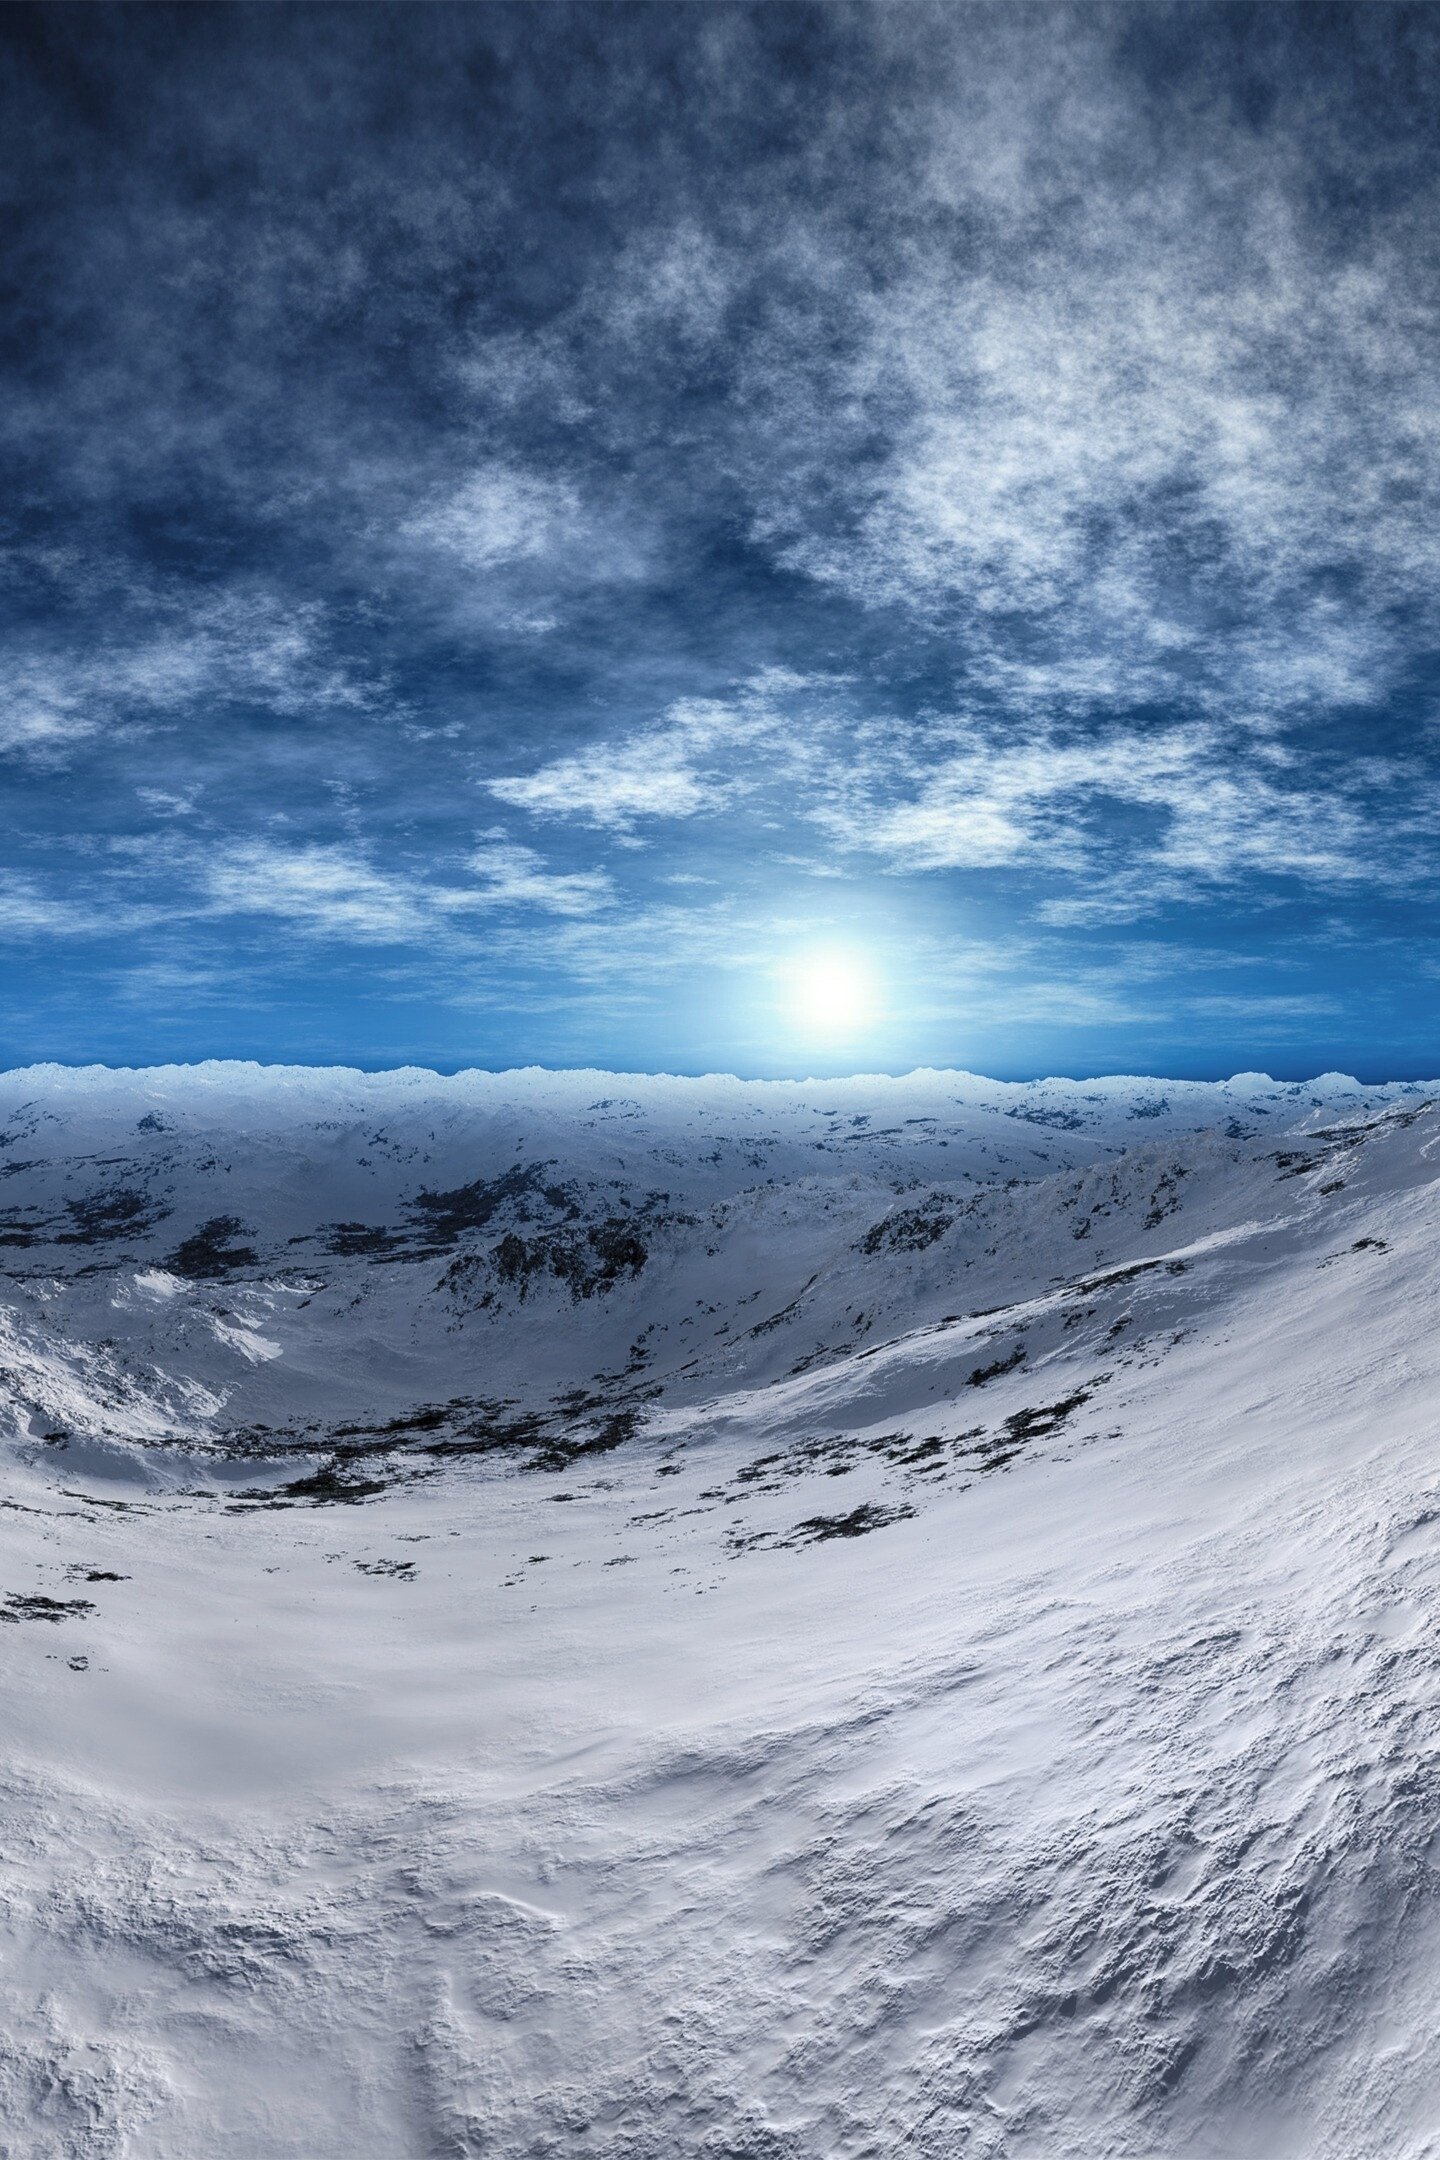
x=839, y=1755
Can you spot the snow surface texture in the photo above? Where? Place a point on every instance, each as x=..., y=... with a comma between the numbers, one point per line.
x=609, y=1616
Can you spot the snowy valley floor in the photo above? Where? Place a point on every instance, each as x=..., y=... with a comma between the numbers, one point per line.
x=575, y=1614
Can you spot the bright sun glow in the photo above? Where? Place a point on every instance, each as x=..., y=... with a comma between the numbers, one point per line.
x=832, y=995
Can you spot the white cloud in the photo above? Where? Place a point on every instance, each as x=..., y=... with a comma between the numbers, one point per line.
x=1128, y=380
x=516, y=877
x=328, y=890
x=314, y=890
x=1222, y=805
x=1265, y=1008
x=697, y=759
x=27, y=911
x=615, y=784
x=333, y=891
x=243, y=647
x=500, y=514
x=520, y=540
x=1133, y=816
x=41, y=730
x=47, y=705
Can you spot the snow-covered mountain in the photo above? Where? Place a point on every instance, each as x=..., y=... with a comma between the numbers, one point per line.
x=612, y=1615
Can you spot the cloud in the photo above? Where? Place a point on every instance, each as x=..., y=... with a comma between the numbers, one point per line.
x=515, y=876
x=695, y=760
x=616, y=784
x=1133, y=818
x=1266, y=1008
x=500, y=515
x=175, y=656
x=335, y=891
x=41, y=731
x=1131, y=395
x=1041, y=802
x=1112, y=827
x=324, y=890
x=512, y=548
x=27, y=911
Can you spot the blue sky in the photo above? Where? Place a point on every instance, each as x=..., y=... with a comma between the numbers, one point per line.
x=539, y=534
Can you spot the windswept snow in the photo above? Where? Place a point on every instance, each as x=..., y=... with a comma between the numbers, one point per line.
x=605, y=1615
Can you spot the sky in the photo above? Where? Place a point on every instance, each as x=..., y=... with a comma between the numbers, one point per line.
x=696, y=537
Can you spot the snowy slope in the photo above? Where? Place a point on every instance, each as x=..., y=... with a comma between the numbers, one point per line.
x=575, y=1613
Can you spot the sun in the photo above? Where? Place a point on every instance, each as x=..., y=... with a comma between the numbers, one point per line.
x=832, y=996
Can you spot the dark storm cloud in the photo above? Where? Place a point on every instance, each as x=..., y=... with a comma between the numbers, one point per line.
x=563, y=490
